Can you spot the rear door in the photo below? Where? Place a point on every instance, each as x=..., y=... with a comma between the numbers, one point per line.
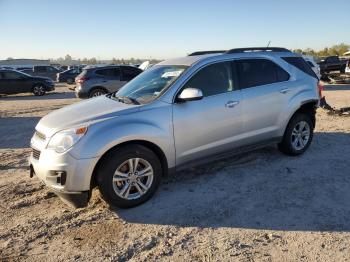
x=265, y=92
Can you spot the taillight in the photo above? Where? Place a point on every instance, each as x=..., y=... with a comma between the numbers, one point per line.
x=81, y=80
x=320, y=88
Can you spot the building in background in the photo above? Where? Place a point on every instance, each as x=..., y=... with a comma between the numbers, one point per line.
x=15, y=63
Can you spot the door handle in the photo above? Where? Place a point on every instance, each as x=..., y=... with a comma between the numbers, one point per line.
x=284, y=90
x=231, y=104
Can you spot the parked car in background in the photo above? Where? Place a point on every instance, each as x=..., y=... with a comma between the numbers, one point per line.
x=13, y=82
x=97, y=81
x=45, y=71
x=332, y=63
x=177, y=114
x=314, y=66
x=68, y=76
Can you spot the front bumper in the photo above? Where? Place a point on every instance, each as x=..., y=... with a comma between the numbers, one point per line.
x=68, y=177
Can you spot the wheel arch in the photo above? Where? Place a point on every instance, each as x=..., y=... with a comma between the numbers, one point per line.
x=150, y=145
x=97, y=87
x=307, y=107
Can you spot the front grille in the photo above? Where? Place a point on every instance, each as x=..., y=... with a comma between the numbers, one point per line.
x=35, y=153
x=40, y=135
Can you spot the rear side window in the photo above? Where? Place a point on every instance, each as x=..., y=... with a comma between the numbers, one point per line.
x=301, y=64
x=129, y=72
x=256, y=72
x=213, y=79
x=111, y=72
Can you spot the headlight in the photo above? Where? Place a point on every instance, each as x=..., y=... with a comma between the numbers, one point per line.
x=65, y=139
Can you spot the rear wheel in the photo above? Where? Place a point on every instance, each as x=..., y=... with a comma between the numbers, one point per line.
x=129, y=176
x=39, y=90
x=70, y=81
x=298, y=135
x=97, y=92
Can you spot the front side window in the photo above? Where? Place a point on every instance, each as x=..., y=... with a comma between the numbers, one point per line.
x=213, y=79
x=257, y=72
x=150, y=84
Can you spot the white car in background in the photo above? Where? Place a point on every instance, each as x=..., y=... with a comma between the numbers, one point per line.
x=347, y=68
x=314, y=66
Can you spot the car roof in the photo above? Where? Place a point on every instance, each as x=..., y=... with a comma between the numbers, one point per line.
x=108, y=66
x=193, y=59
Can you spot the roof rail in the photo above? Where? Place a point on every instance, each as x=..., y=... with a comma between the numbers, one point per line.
x=207, y=52
x=257, y=49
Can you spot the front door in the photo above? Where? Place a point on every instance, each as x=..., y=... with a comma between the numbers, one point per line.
x=213, y=124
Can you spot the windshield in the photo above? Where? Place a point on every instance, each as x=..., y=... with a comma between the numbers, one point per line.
x=149, y=85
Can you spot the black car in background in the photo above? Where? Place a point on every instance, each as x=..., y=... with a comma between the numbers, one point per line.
x=68, y=76
x=332, y=63
x=14, y=82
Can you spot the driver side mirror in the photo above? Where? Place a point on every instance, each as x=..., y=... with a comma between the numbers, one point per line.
x=190, y=94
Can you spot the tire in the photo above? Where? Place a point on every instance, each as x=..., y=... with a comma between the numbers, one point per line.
x=342, y=70
x=97, y=92
x=39, y=90
x=70, y=81
x=295, y=142
x=125, y=191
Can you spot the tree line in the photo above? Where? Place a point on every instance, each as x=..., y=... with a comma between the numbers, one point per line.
x=338, y=50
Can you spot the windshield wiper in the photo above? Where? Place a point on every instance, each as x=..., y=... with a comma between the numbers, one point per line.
x=126, y=98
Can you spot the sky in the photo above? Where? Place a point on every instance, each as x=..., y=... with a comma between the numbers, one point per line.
x=163, y=29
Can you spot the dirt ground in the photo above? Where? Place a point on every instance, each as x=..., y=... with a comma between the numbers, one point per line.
x=260, y=206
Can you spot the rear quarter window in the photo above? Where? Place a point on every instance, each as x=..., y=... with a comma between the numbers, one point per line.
x=301, y=64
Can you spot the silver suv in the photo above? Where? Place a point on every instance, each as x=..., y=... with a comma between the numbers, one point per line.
x=179, y=113
x=96, y=81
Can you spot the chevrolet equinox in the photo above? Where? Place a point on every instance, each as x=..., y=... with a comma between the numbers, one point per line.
x=179, y=113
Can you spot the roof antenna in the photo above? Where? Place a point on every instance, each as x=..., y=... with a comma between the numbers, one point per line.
x=268, y=44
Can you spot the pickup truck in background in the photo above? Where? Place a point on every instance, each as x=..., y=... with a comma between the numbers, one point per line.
x=332, y=63
x=44, y=71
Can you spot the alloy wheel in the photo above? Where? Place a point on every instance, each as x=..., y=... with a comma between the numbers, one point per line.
x=300, y=135
x=133, y=178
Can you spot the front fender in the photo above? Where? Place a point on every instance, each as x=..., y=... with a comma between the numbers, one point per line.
x=153, y=126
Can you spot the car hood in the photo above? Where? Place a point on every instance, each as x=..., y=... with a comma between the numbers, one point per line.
x=84, y=112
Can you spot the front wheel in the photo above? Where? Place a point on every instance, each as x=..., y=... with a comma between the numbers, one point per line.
x=129, y=176
x=39, y=90
x=298, y=135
